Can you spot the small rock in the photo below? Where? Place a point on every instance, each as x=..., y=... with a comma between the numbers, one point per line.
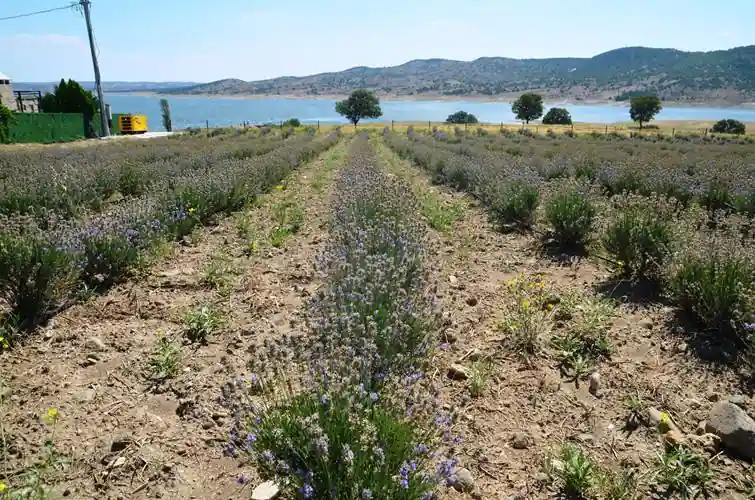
x=458, y=372
x=655, y=418
x=735, y=428
x=472, y=301
x=448, y=337
x=88, y=361
x=646, y=323
x=713, y=397
x=452, y=279
x=119, y=462
x=674, y=437
x=694, y=403
x=585, y=438
x=682, y=348
x=738, y=400
x=521, y=441
x=121, y=443
x=266, y=491
x=708, y=442
x=208, y=423
x=85, y=396
x=594, y=383
x=462, y=480
x=95, y=344
x=700, y=429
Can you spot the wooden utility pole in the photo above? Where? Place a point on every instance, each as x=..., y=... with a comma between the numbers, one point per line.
x=98, y=82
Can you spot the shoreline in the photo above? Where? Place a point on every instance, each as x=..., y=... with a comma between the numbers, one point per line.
x=503, y=99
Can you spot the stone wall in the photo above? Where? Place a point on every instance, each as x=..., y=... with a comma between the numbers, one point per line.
x=7, y=97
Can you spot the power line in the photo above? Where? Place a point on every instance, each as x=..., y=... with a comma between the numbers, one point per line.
x=19, y=16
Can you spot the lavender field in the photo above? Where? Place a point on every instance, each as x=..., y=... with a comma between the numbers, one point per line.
x=387, y=315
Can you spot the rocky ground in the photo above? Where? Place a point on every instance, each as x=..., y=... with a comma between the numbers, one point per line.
x=89, y=407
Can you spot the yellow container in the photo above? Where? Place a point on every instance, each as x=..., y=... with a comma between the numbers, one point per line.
x=132, y=124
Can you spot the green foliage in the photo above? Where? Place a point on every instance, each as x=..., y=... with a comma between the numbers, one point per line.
x=717, y=287
x=6, y=117
x=165, y=109
x=575, y=473
x=571, y=214
x=461, y=117
x=528, y=107
x=71, y=97
x=440, y=215
x=557, y=116
x=729, y=126
x=292, y=123
x=684, y=473
x=202, y=322
x=643, y=109
x=35, y=275
x=165, y=360
x=639, y=242
x=347, y=440
x=516, y=204
x=360, y=104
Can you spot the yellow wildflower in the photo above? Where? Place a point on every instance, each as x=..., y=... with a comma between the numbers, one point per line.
x=526, y=304
x=4, y=343
x=192, y=210
x=550, y=307
x=52, y=416
x=3, y=487
x=280, y=187
x=512, y=282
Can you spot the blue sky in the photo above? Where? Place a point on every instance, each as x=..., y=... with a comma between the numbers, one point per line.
x=204, y=40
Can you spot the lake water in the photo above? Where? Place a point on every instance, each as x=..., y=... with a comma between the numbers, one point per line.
x=196, y=111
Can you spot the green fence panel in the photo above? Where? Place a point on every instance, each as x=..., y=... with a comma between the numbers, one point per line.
x=46, y=127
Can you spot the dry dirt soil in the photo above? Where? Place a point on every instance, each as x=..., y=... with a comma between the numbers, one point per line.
x=123, y=433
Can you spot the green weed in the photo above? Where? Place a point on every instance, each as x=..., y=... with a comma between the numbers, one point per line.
x=165, y=360
x=202, y=322
x=440, y=214
x=572, y=215
x=574, y=472
x=680, y=471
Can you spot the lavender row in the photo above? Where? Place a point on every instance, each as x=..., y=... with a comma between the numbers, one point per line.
x=717, y=176
x=42, y=270
x=356, y=420
x=69, y=183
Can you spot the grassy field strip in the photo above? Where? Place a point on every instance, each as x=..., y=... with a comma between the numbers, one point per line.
x=130, y=388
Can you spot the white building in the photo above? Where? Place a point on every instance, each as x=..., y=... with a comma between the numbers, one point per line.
x=6, y=92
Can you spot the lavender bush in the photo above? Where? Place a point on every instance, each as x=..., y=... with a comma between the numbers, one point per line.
x=345, y=412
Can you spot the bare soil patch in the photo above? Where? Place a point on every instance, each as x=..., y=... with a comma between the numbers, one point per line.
x=527, y=409
x=121, y=431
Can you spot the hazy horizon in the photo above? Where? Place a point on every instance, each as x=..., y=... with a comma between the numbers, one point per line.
x=202, y=42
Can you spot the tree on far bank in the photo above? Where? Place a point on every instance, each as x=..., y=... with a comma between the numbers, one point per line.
x=729, y=126
x=167, y=120
x=461, y=118
x=528, y=107
x=360, y=104
x=643, y=108
x=557, y=116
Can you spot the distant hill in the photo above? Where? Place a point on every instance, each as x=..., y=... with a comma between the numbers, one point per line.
x=722, y=75
x=108, y=86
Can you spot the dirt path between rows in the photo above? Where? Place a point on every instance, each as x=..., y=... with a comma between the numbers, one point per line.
x=119, y=432
x=528, y=410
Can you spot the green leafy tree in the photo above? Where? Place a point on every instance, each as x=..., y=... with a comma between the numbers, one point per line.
x=360, y=104
x=461, y=117
x=557, y=116
x=292, y=122
x=71, y=97
x=6, y=117
x=528, y=107
x=729, y=126
x=643, y=108
x=167, y=120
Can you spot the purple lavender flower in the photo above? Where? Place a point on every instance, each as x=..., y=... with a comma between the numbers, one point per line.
x=241, y=480
x=268, y=456
x=366, y=494
x=307, y=491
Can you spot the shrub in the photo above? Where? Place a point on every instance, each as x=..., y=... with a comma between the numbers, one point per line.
x=461, y=117
x=571, y=214
x=291, y=123
x=639, y=242
x=575, y=472
x=515, y=203
x=729, y=126
x=716, y=284
x=557, y=116
x=346, y=440
x=36, y=275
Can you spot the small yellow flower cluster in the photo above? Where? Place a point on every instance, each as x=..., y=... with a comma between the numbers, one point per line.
x=52, y=416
